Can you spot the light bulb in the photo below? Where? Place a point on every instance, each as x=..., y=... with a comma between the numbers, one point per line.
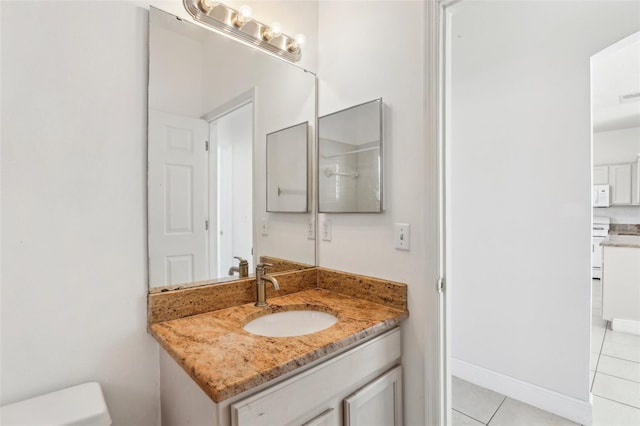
x=296, y=44
x=207, y=5
x=244, y=14
x=300, y=40
x=274, y=31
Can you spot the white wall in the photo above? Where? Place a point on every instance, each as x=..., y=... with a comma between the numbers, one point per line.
x=519, y=166
x=363, y=55
x=74, y=267
x=616, y=146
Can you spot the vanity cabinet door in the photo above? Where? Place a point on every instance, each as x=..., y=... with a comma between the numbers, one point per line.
x=308, y=396
x=327, y=418
x=378, y=403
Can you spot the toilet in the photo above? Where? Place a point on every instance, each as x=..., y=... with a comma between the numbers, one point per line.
x=81, y=405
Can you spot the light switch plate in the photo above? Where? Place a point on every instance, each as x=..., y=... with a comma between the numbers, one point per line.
x=402, y=236
x=311, y=230
x=264, y=227
x=326, y=230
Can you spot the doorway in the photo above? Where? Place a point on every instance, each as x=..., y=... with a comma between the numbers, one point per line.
x=231, y=187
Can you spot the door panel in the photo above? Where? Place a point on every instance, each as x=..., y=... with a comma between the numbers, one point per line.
x=178, y=205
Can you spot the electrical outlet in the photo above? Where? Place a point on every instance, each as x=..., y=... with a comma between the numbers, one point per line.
x=326, y=231
x=311, y=231
x=402, y=236
x=264, y=227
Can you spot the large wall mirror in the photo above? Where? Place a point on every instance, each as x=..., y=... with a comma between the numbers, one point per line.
x=350, y=160
x=212, y=103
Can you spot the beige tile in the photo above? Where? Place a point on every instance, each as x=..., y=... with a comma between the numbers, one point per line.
x=617, y=389
x=474, y=401
x=516, y=413
x=619, y=368
x=609, y=413
x=459, y=419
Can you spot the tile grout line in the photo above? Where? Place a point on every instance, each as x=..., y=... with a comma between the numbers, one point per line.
x=618, y=402
x=471, y=417
x=617, y=357
x=599, y=355
x=617, y=377
x=497, y=409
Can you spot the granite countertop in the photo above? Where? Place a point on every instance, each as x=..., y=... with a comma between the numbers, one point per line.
x=632, y=241
x=225, y=360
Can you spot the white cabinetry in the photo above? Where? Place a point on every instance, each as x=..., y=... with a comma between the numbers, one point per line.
x=320, y=391
x=368, y=376
x=620, y=178
x=621, y=283
x=378, y=403
x=623, y=181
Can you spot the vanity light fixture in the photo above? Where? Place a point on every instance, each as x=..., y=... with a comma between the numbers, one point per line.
x=240, y=24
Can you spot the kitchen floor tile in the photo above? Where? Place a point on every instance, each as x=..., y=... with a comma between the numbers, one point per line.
x=474, y=401
x=616, y=389
x=610, y=413
x=623, y=338
x=459, y=419
x=621, y=345
x=619, y=368
x=516, y=413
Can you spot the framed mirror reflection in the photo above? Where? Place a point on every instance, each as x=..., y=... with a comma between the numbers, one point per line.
x=212, y=102
x=287, y=169
x=350, y=150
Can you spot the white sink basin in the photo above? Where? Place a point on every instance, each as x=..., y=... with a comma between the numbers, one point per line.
x=290, y=323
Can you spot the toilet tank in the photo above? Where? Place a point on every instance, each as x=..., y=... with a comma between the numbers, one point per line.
x=81, y=405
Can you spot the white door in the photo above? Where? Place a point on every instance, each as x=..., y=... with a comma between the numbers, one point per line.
x=178, y=205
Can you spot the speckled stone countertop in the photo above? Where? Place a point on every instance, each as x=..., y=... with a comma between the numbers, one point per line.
x=225, y=360
x=632, y=241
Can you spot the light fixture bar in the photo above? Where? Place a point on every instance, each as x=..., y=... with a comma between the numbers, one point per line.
x=239, y=24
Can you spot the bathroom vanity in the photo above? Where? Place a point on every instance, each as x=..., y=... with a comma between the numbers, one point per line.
x=214, y=372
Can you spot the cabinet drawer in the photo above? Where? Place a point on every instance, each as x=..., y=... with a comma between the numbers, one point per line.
x=297, y=397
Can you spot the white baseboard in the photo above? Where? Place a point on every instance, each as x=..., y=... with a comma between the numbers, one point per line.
x=626, y=326
x=565, y=406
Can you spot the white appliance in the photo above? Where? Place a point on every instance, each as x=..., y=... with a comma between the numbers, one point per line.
x=601, y=196
x=600, y=232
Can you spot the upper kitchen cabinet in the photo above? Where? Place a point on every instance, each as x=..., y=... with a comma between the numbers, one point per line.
x=620, y=178
x=623, y=180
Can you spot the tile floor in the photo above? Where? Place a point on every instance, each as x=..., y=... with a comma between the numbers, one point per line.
x=615, y=384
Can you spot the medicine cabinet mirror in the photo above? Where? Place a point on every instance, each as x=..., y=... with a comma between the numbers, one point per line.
x=287, y=169
x=212, y=102
x=350, y=160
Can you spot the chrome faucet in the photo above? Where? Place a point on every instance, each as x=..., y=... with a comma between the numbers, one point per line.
x=242, y=269
x=261, y=278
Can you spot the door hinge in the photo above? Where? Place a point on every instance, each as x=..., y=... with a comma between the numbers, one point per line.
x=206, y=145
x=441, y=285
x=206, y=225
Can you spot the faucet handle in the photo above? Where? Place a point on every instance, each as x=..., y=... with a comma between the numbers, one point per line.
x=241, y=260
x=263, y=266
